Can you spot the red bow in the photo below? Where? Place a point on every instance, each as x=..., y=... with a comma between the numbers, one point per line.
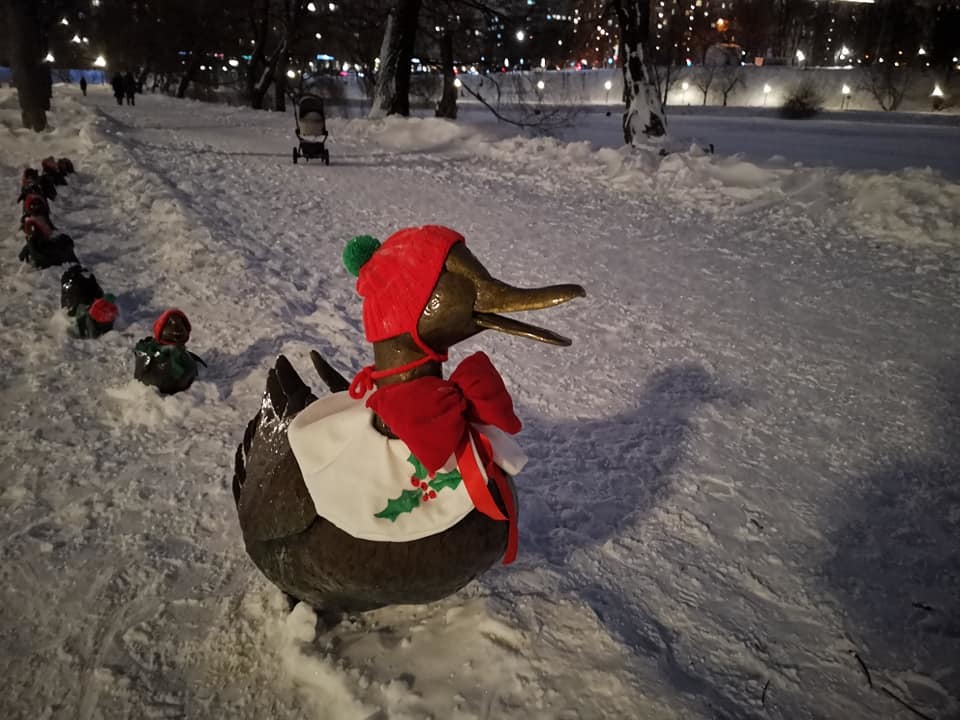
x=434, y=417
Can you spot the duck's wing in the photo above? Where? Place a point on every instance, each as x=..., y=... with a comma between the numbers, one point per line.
x=272, y=499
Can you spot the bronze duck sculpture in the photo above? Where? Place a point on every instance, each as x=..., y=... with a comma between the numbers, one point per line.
x=306, y=470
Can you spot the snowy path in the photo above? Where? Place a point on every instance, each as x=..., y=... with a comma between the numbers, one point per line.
x=742, y=477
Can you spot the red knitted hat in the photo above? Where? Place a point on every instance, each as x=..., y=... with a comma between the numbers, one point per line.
x=162, y=320
x=397, y=280
x=37, y=223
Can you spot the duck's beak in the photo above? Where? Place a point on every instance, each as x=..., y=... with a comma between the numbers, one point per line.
x=494, y=296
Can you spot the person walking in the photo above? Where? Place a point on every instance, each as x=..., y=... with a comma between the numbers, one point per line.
x=117, y=85
x=130, y=88
x=83, y=85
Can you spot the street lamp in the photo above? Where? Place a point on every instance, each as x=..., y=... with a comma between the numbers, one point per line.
x=521, y=35
x=800, y=56
x=48, y=58
x=766, y=92
x=100, y=62
x=845, y=90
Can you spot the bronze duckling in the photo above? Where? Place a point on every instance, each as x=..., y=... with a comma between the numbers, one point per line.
x=397, y=487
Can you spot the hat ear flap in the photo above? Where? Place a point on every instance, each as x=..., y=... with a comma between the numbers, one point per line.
x=358, y=251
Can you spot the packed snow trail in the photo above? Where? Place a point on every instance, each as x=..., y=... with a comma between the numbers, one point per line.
x=742, y=485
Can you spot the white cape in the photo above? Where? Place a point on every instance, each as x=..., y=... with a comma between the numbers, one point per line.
x=352, y=472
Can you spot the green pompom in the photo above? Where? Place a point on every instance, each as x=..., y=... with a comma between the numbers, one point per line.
x=358, y=251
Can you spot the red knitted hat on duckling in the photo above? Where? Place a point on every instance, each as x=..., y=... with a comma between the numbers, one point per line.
x=396, y=279
x=162, y=320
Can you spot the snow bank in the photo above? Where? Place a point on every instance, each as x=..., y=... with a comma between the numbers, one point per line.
x=916, y=207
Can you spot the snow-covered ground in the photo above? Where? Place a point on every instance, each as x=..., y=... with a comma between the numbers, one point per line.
x=742, y=500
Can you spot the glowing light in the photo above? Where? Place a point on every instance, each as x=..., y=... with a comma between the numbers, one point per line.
x=48, y=58
x=457, y=83
x=332, y=6
x=232, y=62
x=937, y=92
x=76, y=39
x=224, y=68
x=800, y=56
x=543, y=62
x=607, y=85
x=685, y=85
x=846, y=89
x=521, y=35
x=722, y=25
x=506, y=62
x=101, y=61
x=203, y=67
x=346, y=67
x=64, y=22
x=540, y=85
x=311, y=7
x=767, y=89
x=318, y=36
x=291, y=74
x=921, y=51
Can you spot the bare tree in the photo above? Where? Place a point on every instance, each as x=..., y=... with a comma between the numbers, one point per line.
x=644, y=112
x=30, y=74
x=729, y=79
x=703, y=78
x=886, y=83
x=392, y=94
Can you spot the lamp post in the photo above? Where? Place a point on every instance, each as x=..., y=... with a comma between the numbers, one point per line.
x=845, y=103
x=766, y=92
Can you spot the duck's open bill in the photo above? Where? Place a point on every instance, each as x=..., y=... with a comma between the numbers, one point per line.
x=496, y=297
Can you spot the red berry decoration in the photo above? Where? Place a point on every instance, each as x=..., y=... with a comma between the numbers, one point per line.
x=433, y=494
x=415, y=481
x=426, y=497
x=423, y=486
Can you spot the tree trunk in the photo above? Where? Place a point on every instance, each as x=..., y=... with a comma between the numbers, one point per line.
x=260, y=23
x=447, y=107
x=280, y=84
x=392, y=94
x=644, y=113
x=192, y=66
x=30, y=74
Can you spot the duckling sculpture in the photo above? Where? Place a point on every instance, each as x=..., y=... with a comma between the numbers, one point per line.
x=32, y=181
x=396, y=488
x=163, y=359
x=45, y=248
x=78, y=286
x=52, y=170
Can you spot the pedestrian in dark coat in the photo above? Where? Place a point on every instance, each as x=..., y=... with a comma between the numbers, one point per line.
x=83, y=86
x=117, y=85
x=129, y=87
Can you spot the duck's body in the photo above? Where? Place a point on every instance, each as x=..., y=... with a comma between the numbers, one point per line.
x=309, y=557
x=45, y=248
x=301, y=532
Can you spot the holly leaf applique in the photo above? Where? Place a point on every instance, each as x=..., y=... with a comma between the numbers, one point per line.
x=426, y=490
x=408, y=500
x=446, y=480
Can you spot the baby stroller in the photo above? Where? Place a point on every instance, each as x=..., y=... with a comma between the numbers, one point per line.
x=311, y=129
